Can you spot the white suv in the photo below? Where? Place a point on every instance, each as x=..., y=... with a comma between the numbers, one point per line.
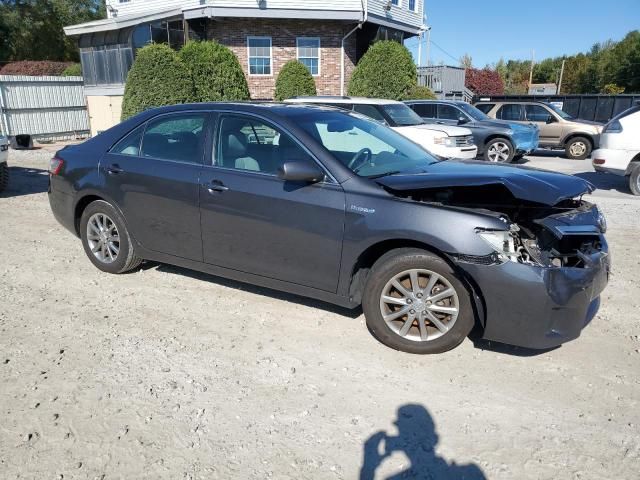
x=619, y=151
x=443, y=140
x=4, y=168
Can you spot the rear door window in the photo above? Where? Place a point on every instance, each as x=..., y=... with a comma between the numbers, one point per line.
x=511, y=111
x=130, y=145
x=176, y=137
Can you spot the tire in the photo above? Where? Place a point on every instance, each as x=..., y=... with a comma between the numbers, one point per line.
x=396, y=264
x=634, y=180
x=102, y=214
x=4, y=176
x=517, y=158
x=499, y=150
x=578, y=148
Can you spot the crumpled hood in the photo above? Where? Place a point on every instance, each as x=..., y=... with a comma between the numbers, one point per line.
x=524, y=183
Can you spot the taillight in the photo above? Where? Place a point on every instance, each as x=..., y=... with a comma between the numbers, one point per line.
x=599, y=161
x=55, y=165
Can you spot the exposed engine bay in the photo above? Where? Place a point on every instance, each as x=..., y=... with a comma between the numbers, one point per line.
x=563, y=235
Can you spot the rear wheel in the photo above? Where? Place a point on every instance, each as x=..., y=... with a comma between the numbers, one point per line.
x=578, y=148
x=499, y=150
x=414, y=302
x=4, y=176
x=106, y=240
x=634, y=180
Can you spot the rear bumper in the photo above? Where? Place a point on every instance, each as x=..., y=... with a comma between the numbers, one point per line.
x=539, y=307
x=62, y=207
x=615, y=161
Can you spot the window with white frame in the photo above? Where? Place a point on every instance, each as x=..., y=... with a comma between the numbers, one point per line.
x=259, y=55
x=395, y=2
x=412, y=5
x=309, y=53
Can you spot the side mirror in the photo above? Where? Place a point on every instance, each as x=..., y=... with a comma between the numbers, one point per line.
x=300, y=172
x=462, y=120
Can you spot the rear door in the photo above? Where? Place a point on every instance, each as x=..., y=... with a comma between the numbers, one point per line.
x=512, y=112
x=153, y=176
x=254, y=222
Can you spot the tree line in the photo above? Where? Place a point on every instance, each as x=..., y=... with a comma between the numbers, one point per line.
x=32, y=29
x=609, y=67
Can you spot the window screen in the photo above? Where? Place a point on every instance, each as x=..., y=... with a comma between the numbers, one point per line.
x=259, y=55
x=309, y=53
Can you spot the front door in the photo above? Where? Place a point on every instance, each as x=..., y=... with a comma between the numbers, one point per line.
x=153, y=176
x=256, y=223
x=550, y=127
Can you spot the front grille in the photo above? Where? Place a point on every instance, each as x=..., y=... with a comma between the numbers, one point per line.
x=464, y=141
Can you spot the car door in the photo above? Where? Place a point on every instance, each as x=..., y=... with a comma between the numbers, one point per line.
x=549, y=126
x=448, y=114
x=153, y=175
x=254, y=222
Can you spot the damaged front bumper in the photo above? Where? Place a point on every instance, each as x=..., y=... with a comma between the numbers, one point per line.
x=544, y=305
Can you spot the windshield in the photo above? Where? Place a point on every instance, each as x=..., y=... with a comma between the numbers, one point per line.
x=473, y=112
x=562, y=113
x=363, y=145
x=402, y=115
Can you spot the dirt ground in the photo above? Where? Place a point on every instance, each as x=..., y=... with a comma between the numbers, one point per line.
x=167, y=373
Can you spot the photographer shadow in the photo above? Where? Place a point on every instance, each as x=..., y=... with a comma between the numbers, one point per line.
x=417, y=439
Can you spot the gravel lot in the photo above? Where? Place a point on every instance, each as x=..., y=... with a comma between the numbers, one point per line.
x=168, y=373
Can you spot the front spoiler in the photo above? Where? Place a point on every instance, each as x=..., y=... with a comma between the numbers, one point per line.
x=539, y=307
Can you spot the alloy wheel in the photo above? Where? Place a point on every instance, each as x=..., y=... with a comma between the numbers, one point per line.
x=419, y=305
x=499, y=152
x=103, y=238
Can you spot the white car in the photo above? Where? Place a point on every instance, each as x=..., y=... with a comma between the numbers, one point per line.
x=4, y=168
x=443, y=140
x=619, y=151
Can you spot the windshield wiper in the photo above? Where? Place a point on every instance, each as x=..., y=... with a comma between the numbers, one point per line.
x=380, y=175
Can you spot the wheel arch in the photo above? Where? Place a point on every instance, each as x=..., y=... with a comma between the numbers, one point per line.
x=573, y=135
x=633, y=164
x=88, y=198
x=360, y=270
x=493, y=136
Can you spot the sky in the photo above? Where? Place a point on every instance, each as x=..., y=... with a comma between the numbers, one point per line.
x=488, y=30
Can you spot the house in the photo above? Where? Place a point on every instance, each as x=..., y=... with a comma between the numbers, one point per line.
x=543, y=89
x=328, y=36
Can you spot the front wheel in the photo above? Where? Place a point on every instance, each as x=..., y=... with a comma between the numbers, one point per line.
x=106, y=240
x=414, y=302
x=578, y=148
x=499, y=150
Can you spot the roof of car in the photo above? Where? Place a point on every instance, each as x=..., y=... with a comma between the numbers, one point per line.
x=511, y=101
x=341, y=99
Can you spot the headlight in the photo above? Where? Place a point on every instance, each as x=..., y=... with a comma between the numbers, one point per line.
x=502, y=242
x=446, y=141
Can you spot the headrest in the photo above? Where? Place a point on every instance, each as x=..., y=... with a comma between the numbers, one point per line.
x=236, y=145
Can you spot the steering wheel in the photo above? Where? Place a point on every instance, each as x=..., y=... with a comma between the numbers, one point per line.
x=356, y=161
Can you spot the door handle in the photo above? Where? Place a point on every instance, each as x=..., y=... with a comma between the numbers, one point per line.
x=114, y=169
x=215, y=186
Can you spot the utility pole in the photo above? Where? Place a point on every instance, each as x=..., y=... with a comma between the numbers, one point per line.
x=428, y=46
x=533, y=55
x=560, y=81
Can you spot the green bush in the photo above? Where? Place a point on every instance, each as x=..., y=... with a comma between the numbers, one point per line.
x=215, y=73
x=74, y=70
x=157, y=77
x=418, y=92
x=386, y=70
x=294, y=80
